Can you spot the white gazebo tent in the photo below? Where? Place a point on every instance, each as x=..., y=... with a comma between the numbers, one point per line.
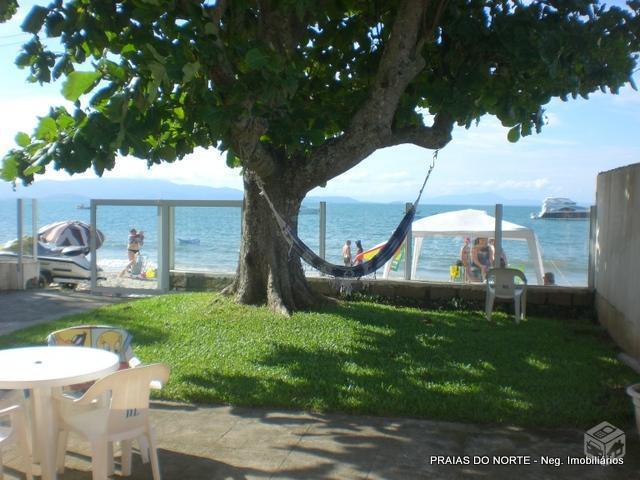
x=472, y=223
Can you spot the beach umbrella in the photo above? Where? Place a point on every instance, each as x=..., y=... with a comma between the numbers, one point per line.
x=69, y=233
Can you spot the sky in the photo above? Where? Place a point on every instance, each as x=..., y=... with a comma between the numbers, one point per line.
x=581, y=139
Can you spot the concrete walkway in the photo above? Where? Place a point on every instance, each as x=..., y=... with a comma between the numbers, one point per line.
x=29, y=307
x=220, y=442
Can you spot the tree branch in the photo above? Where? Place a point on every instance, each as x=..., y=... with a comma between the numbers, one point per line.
x=434, y=137
x=281, y=31
x=371, y=127
x=222, y=72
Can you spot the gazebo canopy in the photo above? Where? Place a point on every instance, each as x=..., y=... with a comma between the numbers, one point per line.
x=472, y=223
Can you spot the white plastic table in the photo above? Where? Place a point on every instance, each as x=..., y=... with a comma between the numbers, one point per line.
x=41, y=370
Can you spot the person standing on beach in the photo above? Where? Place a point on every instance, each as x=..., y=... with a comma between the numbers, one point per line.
x=346, y=253
x=465, y=258
x=358, y=259
x=135, y=240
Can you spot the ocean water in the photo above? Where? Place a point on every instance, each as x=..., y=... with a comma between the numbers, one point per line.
x=564, y=243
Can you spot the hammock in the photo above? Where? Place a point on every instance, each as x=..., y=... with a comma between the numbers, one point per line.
x=342, y=271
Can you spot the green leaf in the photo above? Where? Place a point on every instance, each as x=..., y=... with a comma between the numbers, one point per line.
x=78, y=83
x=514, y=134
x=47, y=129
x=55, y=25
x=34, y=20
x=158, y=72
x=9, y=170
x=189, y=71
x=23, y=139
x=114, y=70
x=210, y=28
x=33, y=169
x=232, y=160
x=128, y=48
x=255, y=59
x=155, y=54
x=179, y=112
x=65, y=121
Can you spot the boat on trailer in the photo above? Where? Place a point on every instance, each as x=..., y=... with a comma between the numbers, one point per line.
x=66, y=266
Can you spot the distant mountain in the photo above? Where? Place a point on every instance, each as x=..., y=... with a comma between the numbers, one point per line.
x=136, y=189
x=82, y=190
x=330, y=199
x=487, y=198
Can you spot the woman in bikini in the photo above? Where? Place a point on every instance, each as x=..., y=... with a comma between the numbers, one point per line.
x=481, y=258
x=134, y=242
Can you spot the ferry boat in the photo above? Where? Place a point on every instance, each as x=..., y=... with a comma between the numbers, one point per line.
x=561, y=208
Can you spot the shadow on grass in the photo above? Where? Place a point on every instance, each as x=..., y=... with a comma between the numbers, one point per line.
x=440, y=365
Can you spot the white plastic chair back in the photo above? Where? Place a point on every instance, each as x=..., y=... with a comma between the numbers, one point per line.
x=129, y=399
x=501, y=283
x=15, y=432
x=105, y=337
x=9, y=398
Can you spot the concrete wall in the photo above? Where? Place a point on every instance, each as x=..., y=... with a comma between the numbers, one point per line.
x=9, y=274
x=617, y=256
x=561, y=302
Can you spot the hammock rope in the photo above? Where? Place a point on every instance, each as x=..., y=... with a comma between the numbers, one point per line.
x=342, y=271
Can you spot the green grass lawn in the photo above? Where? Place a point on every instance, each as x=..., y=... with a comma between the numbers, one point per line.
x=362, y=357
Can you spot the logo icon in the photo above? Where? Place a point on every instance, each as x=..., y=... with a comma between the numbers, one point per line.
x=604, y=440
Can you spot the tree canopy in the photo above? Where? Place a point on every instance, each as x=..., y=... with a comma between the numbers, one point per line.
x=278, y=83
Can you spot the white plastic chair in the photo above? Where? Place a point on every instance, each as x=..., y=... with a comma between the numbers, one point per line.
x=16, y=432
x=105, y=337
x=501, y=283
x=115, y=408
x=9, y=398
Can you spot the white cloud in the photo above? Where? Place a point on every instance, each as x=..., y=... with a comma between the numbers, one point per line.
x=203, y=167
x=484, y=185
x=20, y=115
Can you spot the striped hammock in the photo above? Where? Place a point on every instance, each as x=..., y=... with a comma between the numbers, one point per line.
x=385, y=254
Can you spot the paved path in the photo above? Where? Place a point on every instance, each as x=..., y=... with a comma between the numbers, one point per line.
x=219, y=442
x=29, y=307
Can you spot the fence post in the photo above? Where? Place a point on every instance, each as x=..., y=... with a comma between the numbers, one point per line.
x=323, y=230
x=34, y=227
x=408, y=249
x=20, y=269
x=163, y=244
x=591, y=270
x=171, y=220
x=498, y=236
x=92, y=246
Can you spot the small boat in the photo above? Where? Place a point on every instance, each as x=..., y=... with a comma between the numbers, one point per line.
x=189, y=241
x=82, y=206
x=561, y=209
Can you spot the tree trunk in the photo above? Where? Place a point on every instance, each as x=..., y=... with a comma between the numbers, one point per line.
x=267, y=273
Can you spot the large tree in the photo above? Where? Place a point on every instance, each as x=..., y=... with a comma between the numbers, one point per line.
x=299, y=91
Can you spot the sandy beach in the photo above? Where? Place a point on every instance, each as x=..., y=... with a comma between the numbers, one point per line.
x=114, y=280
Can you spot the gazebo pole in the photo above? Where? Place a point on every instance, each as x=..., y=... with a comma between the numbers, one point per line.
x=498, y=236
x=408, y=250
